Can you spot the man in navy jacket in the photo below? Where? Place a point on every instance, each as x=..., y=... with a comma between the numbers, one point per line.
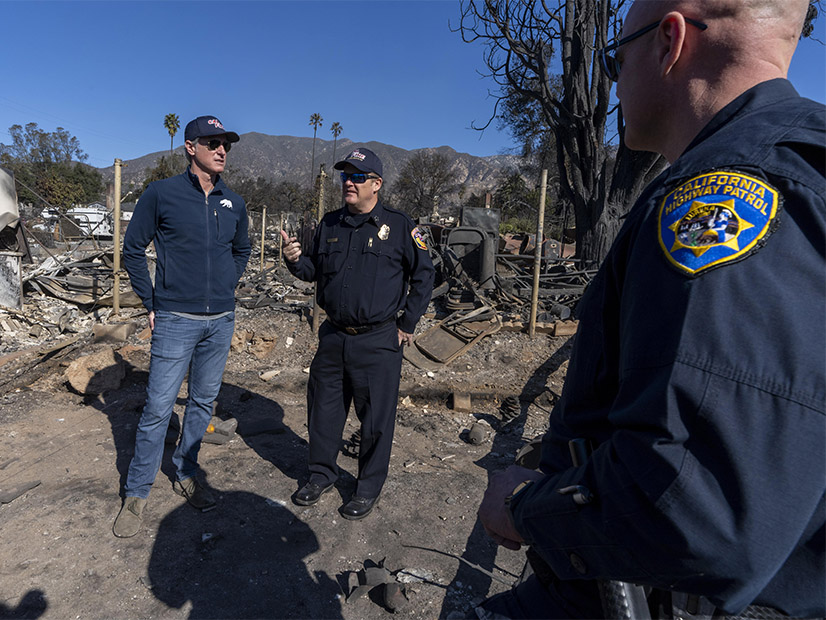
x=199, y=229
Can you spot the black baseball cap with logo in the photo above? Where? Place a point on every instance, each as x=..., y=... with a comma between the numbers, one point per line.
x=363, y=159
x=204, y=126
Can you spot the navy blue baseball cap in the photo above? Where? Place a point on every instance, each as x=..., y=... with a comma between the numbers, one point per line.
x=363, y=159
x=204, y=126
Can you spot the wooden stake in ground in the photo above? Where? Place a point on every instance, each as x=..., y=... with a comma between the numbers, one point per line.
x=537, y=258
x=116, y=239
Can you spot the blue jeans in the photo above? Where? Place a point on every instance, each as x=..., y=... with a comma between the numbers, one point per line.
x=178, y=344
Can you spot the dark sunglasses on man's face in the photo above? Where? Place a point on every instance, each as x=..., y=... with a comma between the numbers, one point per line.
x=356, y=177
x=213, y=144
x=612, y=66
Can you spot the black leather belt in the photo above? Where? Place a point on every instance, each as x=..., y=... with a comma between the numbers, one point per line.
x=355, y=330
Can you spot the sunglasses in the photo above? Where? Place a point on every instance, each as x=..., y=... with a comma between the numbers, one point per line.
x=612, y=66
x=356, y=177
x=213, y=144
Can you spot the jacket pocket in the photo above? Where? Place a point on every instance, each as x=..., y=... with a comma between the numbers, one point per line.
x=225, y=224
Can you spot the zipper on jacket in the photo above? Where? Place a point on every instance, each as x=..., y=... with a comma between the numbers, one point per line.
x=208, y=250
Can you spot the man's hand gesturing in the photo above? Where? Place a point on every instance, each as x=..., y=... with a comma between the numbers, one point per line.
x=291, y=248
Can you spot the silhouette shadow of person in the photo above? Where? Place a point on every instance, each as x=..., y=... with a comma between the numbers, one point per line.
x=250, y=563
x=32, y=605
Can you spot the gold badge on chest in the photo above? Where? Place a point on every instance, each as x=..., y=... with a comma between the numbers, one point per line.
x=384, y=232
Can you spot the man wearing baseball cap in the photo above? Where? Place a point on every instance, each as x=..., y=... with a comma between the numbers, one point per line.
x=375, y=278
x=199, y=229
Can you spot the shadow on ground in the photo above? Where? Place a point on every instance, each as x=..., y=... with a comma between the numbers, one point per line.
x=32, y=605
x=248, y=564
x=246, y=560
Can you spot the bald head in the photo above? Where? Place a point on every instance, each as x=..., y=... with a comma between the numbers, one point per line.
x=696, y=72
x=741, y=32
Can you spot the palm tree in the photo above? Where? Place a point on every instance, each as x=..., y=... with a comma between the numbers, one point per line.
x=172, y=124
x=315, y=121
x=336, y=129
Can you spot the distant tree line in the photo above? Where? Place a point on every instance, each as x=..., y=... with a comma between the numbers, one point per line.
x=48, y=167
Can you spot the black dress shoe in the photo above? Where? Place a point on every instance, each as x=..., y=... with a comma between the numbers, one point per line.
x=358, y=507
x=310, y=493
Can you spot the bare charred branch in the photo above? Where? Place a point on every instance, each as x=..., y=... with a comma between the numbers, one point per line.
x=526, y=43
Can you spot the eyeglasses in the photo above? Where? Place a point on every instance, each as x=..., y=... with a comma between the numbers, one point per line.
x=612, y=66
x=213, y=144
x=356, y=177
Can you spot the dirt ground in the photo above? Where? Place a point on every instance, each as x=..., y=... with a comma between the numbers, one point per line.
x=258, y=555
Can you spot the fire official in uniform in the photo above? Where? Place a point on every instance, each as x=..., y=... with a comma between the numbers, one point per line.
x=375, y=278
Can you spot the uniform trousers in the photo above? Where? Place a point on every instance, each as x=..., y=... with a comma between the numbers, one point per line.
x=363, y=370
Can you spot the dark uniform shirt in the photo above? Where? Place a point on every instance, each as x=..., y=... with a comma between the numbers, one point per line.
x=698, y=374
x=364, y=263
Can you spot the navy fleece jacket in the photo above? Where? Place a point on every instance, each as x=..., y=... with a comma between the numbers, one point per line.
x=202, y=245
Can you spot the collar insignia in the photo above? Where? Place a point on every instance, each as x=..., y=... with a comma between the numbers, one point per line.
x=716, y=218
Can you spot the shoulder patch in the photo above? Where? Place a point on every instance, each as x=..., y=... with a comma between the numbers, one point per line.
x=716, y=218
x=418, y=238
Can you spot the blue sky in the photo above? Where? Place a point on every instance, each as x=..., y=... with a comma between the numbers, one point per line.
x=391, y=71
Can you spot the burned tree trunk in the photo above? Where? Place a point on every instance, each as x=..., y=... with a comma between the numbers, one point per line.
x=524, y=40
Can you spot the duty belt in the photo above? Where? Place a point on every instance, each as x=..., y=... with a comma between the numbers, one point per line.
x=355, y=330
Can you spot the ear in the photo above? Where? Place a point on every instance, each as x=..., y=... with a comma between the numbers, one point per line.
x=670, y=40
x=190, y=147
x=377, y=185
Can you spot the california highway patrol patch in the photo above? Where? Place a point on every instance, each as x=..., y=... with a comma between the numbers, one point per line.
x=418, y=238
x=716, y=218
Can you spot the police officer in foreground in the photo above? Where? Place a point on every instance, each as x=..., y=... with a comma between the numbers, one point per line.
x=374, y=278
x=697, y=374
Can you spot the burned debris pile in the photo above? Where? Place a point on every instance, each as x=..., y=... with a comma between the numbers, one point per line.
x=484, y=284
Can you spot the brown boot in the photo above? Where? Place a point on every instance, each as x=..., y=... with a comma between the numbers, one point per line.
x=128, y=521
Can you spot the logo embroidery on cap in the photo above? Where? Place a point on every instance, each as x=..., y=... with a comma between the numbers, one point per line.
x=357, y=155
x=715, y=218
x=226, y=202
x=418, y=238
x=216, y=122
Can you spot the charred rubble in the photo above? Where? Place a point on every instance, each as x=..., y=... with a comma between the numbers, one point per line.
x=484, y=284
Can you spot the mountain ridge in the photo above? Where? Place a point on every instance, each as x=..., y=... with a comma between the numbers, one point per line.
x=288, y=158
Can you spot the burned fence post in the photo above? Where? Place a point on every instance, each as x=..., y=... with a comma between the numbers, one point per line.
x=263, y=235
x=116, y=240
x=318, y=313
x=537, y=260
x=280, y=240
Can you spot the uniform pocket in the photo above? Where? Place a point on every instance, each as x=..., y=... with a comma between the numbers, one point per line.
x=332, y=256
x=371, y=257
